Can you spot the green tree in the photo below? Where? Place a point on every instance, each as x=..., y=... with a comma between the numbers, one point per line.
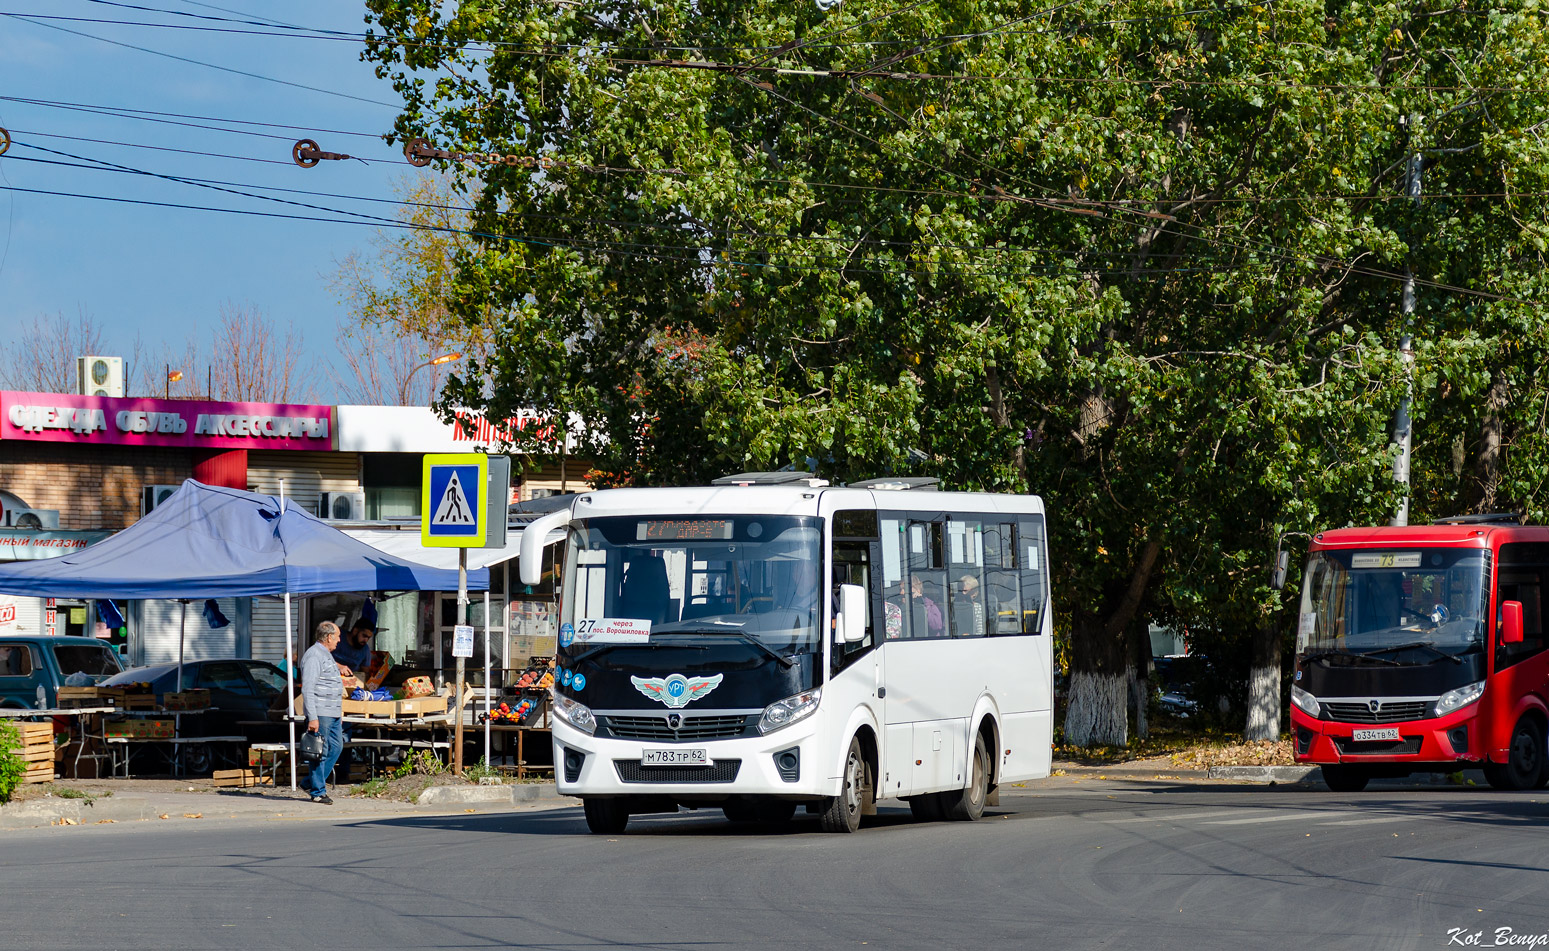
x=1138, y=257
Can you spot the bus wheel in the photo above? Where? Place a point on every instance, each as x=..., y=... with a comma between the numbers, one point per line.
x=1345, y=778
x=967, y=805
x=842, y=813
x=926, y=808
x=1524, y=759
x=605, y=816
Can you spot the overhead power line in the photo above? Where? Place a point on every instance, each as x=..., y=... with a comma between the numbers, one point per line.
x=28, y=18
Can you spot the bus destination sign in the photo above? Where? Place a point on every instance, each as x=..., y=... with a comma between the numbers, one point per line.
x=684, y=529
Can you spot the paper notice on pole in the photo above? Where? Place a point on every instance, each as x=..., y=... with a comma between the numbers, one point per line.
x=453, y=508
x=612, y=630
x=462, y=640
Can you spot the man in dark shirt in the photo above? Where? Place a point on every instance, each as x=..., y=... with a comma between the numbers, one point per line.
x=353, y=655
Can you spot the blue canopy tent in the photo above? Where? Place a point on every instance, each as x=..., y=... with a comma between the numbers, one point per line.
x=212, y=542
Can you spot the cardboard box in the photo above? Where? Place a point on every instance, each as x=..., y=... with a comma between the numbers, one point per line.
x=371, y=708
x=139, y=728
x=421, y=706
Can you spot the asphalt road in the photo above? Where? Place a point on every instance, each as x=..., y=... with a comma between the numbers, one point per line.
x=1060, y=864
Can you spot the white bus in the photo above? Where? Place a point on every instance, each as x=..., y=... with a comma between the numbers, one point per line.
x=757, y=647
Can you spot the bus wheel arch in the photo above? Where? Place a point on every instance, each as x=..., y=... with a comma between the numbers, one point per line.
x=1525, y=765
x=842, y=813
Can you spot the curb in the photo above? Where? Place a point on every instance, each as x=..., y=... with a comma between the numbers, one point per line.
x=46, y=812
x=1266, y=774
x=522, y=792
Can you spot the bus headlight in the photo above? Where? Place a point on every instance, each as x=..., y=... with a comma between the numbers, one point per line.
x=1457, y=699
x=576, y=714
x=782, y=713
x=1305, y=702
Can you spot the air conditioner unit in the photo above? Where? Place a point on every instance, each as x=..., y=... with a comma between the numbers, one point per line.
x=32, y=518
x=153, y=495
x=342, y=506
x=100, y=376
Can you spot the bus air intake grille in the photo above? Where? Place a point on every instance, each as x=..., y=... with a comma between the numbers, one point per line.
x=630, y=771
x=1347, y=747
x=1387, y=712
x=691, y=728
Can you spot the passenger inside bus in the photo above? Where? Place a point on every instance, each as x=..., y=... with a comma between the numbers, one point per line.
x=644, y=593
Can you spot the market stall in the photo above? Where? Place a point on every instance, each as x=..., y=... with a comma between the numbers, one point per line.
x=210, y=542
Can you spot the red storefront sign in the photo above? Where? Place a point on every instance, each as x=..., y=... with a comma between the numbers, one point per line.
x=148, y=421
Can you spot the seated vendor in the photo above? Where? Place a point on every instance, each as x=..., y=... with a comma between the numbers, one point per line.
x=353, y=655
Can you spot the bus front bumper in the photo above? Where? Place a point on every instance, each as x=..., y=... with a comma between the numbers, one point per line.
x=1454, y=738
x=788, y=763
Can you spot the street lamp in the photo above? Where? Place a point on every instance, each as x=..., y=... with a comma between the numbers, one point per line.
x=403, y=391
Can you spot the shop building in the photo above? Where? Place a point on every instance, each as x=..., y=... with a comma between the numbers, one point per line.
x=86, y=466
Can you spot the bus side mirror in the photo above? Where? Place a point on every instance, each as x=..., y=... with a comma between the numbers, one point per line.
x=1511, y=622
x=850, y=626
x=1282, y=562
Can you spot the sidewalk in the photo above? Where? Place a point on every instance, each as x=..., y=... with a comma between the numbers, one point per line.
x=153, y=800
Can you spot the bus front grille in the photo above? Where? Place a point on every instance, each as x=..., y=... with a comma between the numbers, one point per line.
x=723, y=771
x=1387, y=711
x=692, y=728
x=1409, y=745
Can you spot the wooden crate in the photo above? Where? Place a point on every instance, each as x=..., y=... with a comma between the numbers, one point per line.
x=39, y=773
x=240, y=778
x=89, y=696
x=138, y=701
x=195, y=699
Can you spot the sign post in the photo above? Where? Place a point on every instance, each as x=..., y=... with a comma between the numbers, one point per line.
x=458, y=508
x=454, y=515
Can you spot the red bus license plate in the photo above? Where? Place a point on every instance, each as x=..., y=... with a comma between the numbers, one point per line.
x=1368, y=736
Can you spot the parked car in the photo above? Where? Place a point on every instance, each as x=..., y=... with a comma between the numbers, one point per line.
x=241, y=693
x=34, y=667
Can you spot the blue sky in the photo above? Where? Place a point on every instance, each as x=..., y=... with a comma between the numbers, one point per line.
x=164, y=273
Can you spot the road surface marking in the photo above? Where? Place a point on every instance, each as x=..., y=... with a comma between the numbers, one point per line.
x=1275, y=818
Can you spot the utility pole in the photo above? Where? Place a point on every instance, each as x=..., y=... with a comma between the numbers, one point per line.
x=1403, y=425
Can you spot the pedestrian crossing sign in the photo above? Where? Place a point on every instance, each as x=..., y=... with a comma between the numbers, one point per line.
x=452, y=503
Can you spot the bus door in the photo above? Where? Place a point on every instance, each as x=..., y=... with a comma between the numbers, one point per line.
x=919, y=746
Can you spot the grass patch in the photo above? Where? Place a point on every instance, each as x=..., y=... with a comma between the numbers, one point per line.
x=66, y=792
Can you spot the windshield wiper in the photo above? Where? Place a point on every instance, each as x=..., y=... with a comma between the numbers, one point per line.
x=732, y=632
x=604, y=648
x=1341, y=652
x=1420, y=644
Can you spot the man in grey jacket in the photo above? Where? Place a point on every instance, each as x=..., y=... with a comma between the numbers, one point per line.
x=322, y=692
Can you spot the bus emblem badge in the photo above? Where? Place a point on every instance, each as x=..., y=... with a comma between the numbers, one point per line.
x=676, y=690
x=674, y=720
x=1375, y=705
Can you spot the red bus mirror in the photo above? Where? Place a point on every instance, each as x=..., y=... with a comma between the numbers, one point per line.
x=1511, y=622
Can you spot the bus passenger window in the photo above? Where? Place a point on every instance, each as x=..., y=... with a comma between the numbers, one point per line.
x=926, y=596
x=1030, y=560
x=965, y=549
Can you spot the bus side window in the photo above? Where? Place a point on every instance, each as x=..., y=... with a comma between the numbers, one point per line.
x=926, y=613
x=1002, y=594
x=892, y=534
x=1030, y=561
x=965, y=560
x=1524, y=583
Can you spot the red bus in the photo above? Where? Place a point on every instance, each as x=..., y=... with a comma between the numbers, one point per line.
x=1422, y=648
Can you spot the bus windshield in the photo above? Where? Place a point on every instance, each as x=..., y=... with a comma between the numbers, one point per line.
x=640, y=579
x=1409, y=606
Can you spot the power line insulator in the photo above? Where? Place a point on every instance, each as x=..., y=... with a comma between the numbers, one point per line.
x=308, y=155
x=5, y=141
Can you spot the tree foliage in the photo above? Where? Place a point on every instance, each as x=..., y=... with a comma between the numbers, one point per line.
x=1139, y=257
